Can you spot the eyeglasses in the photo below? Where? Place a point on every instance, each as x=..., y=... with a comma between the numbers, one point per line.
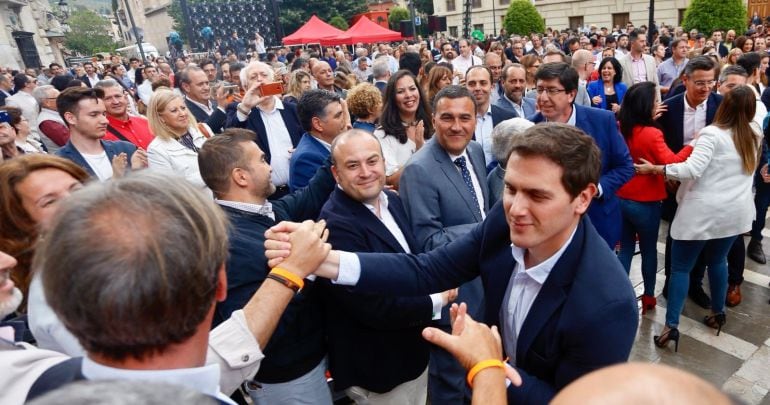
x=552, y=91
x=704, y=83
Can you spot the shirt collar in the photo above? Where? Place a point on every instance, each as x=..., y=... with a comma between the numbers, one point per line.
x=278, y=105
x=203, y=379
x=326, y=145
x=383, y=199
x=454, y=157
x=210, y=106
x=701, y=106
x=488, y=112
x=539, y=272
x=265, y=209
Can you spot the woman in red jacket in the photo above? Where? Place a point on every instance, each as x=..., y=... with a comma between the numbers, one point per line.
x=640, y=198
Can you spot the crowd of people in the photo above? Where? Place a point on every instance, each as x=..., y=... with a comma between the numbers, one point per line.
x=249, y=224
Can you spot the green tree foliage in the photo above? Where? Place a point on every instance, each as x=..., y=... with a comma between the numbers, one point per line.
x=339, y=22
x=88, y=33
x=396, y=15
x=707, y=16
x=522, y=18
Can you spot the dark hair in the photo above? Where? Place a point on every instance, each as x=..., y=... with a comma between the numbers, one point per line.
x=313, y=104
x=218, y=158
x=236, y=67
x=52, y=64
x=567, y=146
x=634, y=35
x=615, y=65
x=637, y=107
x=20, y=80
x=133, y=60
x=504, y=73
x=74, y=83
x=749, y=61
x=410, y=61
x=454, y=92
x=390, y=120
x=741, y=40
x=68, y=100
x=298, y=63
x=567, y=75
x=573, y=40
x=15, y=115
x=699, y=63
x=206, y=62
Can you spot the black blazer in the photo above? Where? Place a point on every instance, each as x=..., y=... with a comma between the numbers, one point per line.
x=374, y=341
x=672, y=121
x=254, y=122
x=85, y=80
x=215, y=121
x=3, y=96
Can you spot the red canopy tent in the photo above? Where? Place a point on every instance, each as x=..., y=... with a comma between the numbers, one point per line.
x=315, y=30
x=368, y=31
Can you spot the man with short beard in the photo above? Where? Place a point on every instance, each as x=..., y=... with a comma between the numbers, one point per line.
x=10, y=297
x=514, y=84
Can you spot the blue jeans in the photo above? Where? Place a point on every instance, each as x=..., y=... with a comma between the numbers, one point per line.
x=684, y=254
x=642, y=218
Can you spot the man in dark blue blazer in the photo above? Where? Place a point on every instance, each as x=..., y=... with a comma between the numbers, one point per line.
x=323, y=117
x=262, y=113
x=559, y=82
x=197, y=91
x=376, y=351
x=445, y=193
x=561, y=299
x=698, y=105
x=85, y=115
x=478, y=79
x=513, y=79
x=295, y=354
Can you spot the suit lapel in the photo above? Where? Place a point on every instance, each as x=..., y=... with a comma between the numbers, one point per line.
x=552, y=294
x=399, y=215
x=73, y=154
x=455, y=178
x=481, y=175
x=368, y=220
x=256, y=122
x=288, y=121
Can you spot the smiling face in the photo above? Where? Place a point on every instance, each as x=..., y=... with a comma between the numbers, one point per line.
x=407, y=96
x=42, y=191
x=540, y=212
x=557, y=106
x=359, y=167
x=7, y=134
x=198, y=89
x=454, y=122
x=480, y=84
x=608, y=72
x=115, y=102
x=175, y=116
x=515, y=83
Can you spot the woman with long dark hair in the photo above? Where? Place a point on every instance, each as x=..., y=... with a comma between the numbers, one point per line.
x=715, y=205
x=641, y=197
x=608, y=92
x=405, y=123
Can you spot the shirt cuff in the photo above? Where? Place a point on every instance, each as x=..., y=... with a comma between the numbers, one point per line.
x=438, y=303
x=241, y=116
x=349, y=270
x=235, y=349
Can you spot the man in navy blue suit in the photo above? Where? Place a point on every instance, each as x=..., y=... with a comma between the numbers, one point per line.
x=561, y=299
x=376, y=353
x=324, y=115
x=85, y=115
x=557, y=85
x=276, y=124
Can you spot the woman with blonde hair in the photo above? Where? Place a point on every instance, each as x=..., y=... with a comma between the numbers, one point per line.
x=177, y=137
x=732, y=57
x=299, y=83
x=715, y=205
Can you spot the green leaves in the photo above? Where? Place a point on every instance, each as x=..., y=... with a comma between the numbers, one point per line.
x=396, y=15
x=522, y=18
x=708, y=16
x=88, y=33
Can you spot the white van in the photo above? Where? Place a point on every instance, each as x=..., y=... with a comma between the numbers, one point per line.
x=133, y=51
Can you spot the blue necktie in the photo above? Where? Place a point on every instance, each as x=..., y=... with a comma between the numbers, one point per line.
x=460, y=162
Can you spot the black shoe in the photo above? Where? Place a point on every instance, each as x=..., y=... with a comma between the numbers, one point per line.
x=755, y=252
x=699, y=297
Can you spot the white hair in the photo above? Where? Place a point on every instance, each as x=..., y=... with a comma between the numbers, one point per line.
x=244, y=74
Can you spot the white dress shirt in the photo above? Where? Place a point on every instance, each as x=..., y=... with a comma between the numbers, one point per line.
x=523, y=288
x=484, y=127
x=265, y=209
x=694, y=119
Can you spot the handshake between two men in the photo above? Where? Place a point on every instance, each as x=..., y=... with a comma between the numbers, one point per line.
x=302, y=249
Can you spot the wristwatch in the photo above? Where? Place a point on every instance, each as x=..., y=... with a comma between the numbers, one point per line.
x=242, y=109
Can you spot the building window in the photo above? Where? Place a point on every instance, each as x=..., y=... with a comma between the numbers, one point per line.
x=681, y=15
x=620, y=20
x=450, y=5
x=478, y=27
x=504, y=2
x=576, y=23
x=476, y=3
x=453, y=32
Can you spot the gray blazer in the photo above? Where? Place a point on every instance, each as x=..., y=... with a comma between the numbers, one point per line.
x=441, y=208
x=439, y=204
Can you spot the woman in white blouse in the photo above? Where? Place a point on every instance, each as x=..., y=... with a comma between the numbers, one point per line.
x=177, y=137
x=715, y=205
x=405, y=123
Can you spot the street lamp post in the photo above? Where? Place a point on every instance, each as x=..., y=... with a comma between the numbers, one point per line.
x=135, y=32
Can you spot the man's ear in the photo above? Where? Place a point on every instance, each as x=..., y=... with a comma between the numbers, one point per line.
x=70, y=118
x=584, y=198
x=316, y=124
x=240, y=177
x=221, y=290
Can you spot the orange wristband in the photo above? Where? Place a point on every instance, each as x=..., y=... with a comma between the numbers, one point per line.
x=481, y=366
x=279, y=271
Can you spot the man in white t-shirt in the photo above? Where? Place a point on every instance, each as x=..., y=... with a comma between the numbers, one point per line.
x=465, y=59
x=85, y=115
